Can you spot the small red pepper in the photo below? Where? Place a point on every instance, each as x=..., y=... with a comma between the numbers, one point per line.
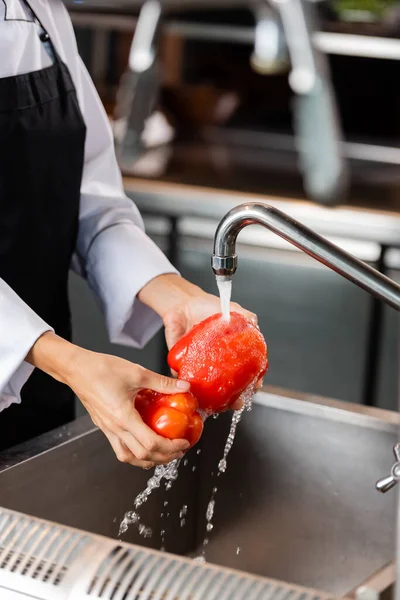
x=220, y=359
x=172, y=416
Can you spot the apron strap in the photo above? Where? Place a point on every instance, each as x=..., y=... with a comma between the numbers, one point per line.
x=43, y=34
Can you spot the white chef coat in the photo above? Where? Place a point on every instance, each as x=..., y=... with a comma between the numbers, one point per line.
x=113, y=251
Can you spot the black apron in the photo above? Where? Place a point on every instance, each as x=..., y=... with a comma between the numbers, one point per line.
x=42, y=138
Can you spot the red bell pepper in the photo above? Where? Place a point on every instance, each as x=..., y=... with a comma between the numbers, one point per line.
x=220, y=359
x=172, y=416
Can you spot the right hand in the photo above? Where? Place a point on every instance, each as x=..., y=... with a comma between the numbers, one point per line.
x=107, y=387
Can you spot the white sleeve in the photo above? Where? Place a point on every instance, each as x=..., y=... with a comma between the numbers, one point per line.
x=20, y=327
x=115, y=254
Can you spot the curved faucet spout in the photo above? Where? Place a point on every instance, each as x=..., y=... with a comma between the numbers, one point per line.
x=224, y=259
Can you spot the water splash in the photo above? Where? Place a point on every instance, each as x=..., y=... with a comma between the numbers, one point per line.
x=225, y=292
x=129, y=519
x=169, y=473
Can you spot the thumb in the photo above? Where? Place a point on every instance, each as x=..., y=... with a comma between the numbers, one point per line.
x=162, y=384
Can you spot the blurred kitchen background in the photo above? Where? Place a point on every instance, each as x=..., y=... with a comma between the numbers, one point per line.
x=295, y=103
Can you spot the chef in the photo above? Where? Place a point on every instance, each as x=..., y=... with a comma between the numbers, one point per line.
x=62, y=204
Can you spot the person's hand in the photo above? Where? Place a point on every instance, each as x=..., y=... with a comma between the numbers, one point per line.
x=182, y=305
x=107, y=386
x=180, y=319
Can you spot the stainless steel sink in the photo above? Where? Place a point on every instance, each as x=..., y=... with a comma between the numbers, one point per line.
x=297, y=502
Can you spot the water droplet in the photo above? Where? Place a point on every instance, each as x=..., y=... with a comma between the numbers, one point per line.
x=238, y=549
x=146, y=532
x=200, y=559
x=210, y=510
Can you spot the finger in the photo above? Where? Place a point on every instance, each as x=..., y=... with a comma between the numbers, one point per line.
x=162, y=384
x=153, y=451
x=156, y=443
x=246, y=313
x=123, y=453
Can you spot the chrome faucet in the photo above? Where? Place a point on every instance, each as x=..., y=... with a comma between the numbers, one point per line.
x=224, y=259
x=224, y=263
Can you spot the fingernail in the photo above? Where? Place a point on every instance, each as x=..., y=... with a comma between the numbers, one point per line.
x=182, y=385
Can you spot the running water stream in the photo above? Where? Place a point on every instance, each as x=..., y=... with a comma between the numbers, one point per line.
x=246, y=399
x=225, y=292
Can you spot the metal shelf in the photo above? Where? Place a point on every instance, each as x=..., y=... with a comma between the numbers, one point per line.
x=332, y=43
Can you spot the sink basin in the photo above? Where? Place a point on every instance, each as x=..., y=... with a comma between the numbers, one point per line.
x=297, y=502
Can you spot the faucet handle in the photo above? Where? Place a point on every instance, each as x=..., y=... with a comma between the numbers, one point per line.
x=387, y=483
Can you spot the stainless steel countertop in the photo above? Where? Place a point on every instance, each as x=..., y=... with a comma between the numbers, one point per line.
x=46, y=442
x=350, y=222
